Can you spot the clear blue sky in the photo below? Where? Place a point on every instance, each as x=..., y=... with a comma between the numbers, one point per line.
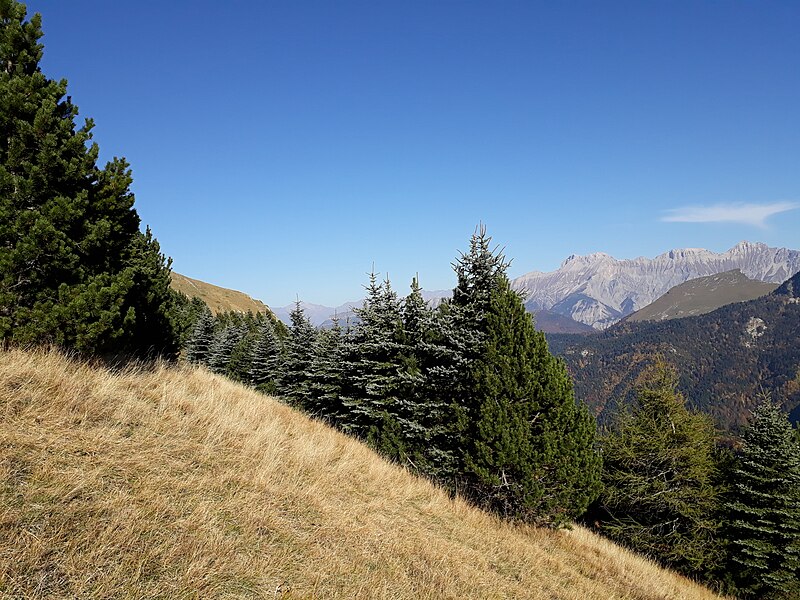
x=282, y=148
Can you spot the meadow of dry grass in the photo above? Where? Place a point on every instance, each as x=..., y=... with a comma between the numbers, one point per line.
x=169, y=482
x=217, y=298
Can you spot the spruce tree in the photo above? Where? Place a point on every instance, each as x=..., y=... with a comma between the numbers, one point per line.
x=764, y=507
x=429, y=427
x=74, y=268
x=265, y=363
x=458, y=329
x=199, y=345
x=242, y=355
x=222, y=348
x=325, y=382
x=659, y=473
x=298, y=355
x=371, y=363
x=185, y=313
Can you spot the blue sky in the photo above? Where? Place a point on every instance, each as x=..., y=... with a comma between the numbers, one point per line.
x=282, y=148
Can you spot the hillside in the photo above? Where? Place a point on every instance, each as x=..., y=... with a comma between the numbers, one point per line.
x=552, y=322
x=219, y=299
x=170, y=482
x=702, y=295
x=725, y=358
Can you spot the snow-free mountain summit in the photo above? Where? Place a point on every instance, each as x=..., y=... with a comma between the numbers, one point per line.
x=599, y=290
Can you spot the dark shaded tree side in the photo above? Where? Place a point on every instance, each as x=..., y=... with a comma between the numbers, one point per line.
x=74, y=268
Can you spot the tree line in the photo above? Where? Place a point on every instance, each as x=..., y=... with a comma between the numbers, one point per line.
x=675, y=491
x=466, y=393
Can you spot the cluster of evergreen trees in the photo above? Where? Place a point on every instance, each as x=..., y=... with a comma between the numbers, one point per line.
x=671, y=491
x=467, y=393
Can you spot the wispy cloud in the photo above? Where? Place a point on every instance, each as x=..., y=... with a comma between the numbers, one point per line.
x=748, y=214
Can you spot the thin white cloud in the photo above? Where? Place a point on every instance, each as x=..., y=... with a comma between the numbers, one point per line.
x=745, y=213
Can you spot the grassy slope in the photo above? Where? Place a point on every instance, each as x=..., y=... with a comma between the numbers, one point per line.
x=219, y=299
x=703, y=295
x=173, y=483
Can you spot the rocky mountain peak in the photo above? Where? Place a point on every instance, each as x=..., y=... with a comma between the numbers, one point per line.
x=599, y=290
x=578, y=260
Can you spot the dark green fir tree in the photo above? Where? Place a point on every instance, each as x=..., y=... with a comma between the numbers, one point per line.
x=74, y=268
x=529, y=448
x=764, y=508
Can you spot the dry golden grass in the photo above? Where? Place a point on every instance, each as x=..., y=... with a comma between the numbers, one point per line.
x=172, y=483
x=219, y=299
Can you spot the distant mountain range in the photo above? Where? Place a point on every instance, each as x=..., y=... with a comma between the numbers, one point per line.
x=725, y=358
x=595, y=291
x=599, y=290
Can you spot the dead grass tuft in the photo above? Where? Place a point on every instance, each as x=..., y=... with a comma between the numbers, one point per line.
x=173, y=483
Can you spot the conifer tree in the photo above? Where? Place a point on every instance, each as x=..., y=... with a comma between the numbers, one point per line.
x=199, y=345
x=529, y=449
x=266, y=359
x=298, y=355
x=429, y=426
x=659, y=471
x=241, y=357
x=226, y=340
x=186, y=313
x=372, y=362
x=325, y=384
x=455, y=336
x=74, y=268
x=764, y=507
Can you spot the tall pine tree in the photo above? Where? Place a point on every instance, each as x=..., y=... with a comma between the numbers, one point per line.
x=529, y=449
x=74, y=268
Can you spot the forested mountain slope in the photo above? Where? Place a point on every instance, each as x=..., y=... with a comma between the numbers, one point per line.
x=171, y=482
x=725, y=358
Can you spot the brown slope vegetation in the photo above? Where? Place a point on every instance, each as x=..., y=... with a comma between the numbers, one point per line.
x=169, y=482
x=219, y=299
x=703, y=295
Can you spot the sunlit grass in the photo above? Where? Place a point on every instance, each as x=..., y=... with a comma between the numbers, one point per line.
x=170, y=482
